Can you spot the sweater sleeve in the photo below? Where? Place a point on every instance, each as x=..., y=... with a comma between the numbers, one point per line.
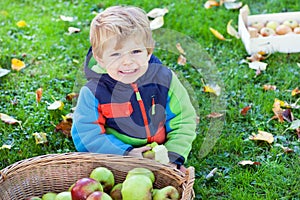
x=180, y=122
x=88, y=132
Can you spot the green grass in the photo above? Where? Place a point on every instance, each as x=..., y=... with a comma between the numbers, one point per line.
x=51, y=56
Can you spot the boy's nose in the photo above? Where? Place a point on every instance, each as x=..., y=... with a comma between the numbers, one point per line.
x=127, y=59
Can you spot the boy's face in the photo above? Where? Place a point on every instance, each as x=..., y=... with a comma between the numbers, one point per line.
x=126, y=61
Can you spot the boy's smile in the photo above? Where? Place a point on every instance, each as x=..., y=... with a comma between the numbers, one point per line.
x=125, y=60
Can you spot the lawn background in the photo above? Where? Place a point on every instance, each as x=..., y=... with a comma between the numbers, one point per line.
x=53, y=58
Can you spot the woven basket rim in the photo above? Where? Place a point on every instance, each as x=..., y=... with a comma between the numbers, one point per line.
x=186, y=180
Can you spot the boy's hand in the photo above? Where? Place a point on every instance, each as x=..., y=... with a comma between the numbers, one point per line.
x=137, y=152
x=182, y=168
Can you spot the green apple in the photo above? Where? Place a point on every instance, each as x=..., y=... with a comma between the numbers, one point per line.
x=34, y=198
x=272, y=24
x=265, y=32
x=64, y=196
x=168, y=192
x=141, y=171
x=291, y=23
x=258, y=25
x=150, y=154
x=137, y=187
x=99, y=196
x=104, y=176
x=84, y=187
x=49, y=196
x=115, y=192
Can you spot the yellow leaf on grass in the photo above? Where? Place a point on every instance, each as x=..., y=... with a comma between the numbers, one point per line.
x=6, y=146
x=295, y=91
x=40, y=138
x=157, y=23
x=215, y=89
x=157, y=12
x=269, y=87
x=17, y=64
x=8, y=119
x=21, y=24
x=262, y=136
x=214, y=115
x=217, y=34
x=231, y=31
x=56, y=105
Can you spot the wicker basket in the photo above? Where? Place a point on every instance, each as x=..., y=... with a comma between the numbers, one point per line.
x=57, y=172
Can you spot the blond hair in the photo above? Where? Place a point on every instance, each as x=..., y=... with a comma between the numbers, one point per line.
x=120, y=22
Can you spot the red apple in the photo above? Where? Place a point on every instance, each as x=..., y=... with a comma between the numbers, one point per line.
x=283, y=29
x=84, y=187
x=265, y=31
x=99, y=196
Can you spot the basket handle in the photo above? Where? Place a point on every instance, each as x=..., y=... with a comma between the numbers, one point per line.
x=190, y=178
x=2, y=176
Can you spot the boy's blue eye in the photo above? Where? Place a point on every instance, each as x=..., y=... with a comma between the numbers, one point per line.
x=136, y=51
x=114, y=54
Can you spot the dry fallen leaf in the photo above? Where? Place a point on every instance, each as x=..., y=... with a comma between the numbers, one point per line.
x=8, y=119
x=257, y=57
x=257, y=65
x=157, y=23
x=245, y=110
x=71, y=96
x=269, y=87
x=38, y=94
x=248, y=162
x=72, y=30
x=217, y=34
x=65, y=125
x=262, y=136
x=157, y=12
x=3, y=72
x=211, y=3
x=181, y=60
x=231, y=31
x=5, y=146
x=211, y=173
x=17, y=64
x=56, y=105
x=214, y=115
x=66, y=18
x=295, y=91
x=232, y=5
x=215, y=89
x=180, y=49
x=40, y=138
x=288, y=115
x=277, y=110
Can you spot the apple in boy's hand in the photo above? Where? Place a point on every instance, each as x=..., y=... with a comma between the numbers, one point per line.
x=104, y=176
x=99, y=196
x=265, y=31
x=168, y=192
x=291, y=23
x=84, y=187
x=283, y=29
x=63, y=196
x=258, y=25
x=272, y=24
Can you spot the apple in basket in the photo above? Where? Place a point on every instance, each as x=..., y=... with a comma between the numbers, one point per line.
x=115, y=192
x=49, y=196
x=34, y=198
x=84, y=187
x=104, y=176
x=168, y=192
x=64, y=196
x=99, y=196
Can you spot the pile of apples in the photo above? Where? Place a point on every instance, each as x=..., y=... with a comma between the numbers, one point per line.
x=272, y=28
x=100, y=185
